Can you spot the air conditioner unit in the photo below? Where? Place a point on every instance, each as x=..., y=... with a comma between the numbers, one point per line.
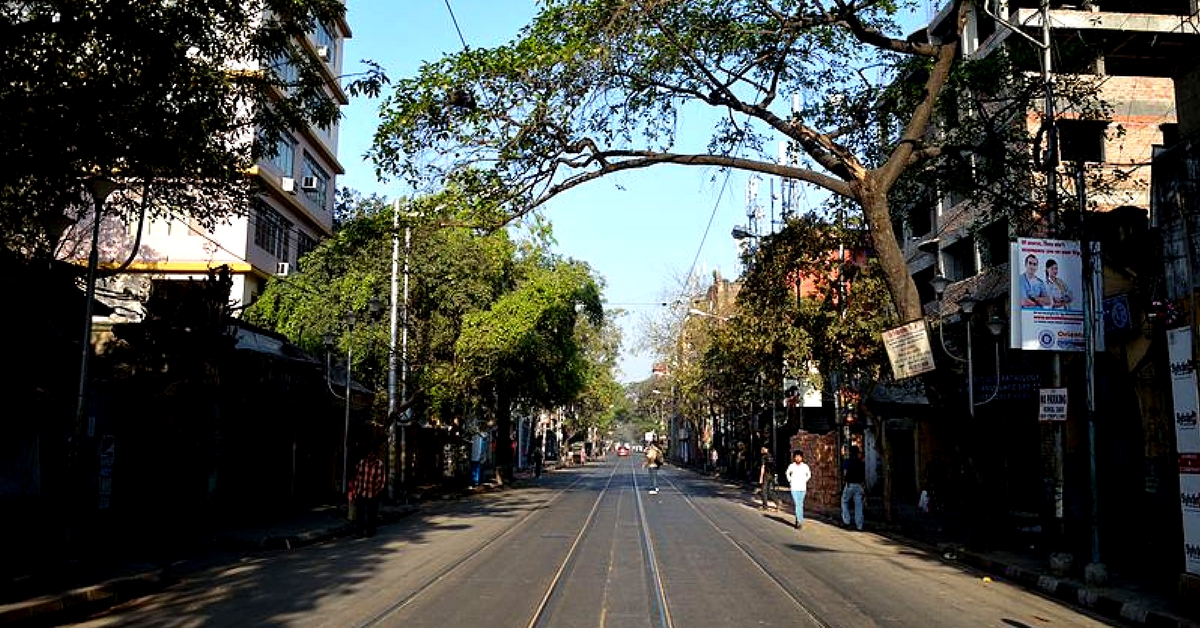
x=323, y=52
x=308, y=183
x=282, y=269
x=288, y=184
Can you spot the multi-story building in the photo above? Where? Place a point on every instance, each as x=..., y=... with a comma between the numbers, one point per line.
x=1036, y=474
x=293, y=214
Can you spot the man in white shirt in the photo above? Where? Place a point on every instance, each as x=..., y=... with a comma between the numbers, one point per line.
x=798, y=474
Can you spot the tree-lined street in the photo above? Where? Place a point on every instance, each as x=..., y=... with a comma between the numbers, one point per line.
x=589, y=547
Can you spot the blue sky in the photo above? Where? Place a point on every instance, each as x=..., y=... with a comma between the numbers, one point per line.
x=642, y=239
x=641, y=231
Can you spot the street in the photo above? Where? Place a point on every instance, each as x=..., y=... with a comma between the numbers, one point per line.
x=588, y=546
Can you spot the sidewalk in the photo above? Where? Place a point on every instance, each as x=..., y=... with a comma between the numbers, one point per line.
x=1123, y=599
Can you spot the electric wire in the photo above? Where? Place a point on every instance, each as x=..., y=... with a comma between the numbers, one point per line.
x=456, y=28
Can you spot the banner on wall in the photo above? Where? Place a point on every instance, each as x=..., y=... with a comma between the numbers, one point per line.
x=1186, y=405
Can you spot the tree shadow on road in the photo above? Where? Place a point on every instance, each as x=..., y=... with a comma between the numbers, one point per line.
x=337, y=582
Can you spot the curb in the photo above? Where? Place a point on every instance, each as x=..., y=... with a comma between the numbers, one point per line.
x=84, y=599
x=1074, y=593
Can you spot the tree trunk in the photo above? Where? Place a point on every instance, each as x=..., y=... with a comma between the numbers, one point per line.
x=504, y=441
x=891, y=259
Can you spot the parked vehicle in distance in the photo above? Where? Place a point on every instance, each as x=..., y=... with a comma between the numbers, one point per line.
x=622, y=451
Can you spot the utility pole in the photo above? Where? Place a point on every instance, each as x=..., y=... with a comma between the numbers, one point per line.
x=1095, y=571
x=393, y=331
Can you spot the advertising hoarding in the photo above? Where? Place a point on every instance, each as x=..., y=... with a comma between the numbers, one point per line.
x=1047, y=295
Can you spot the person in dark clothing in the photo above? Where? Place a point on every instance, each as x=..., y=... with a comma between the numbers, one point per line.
x=854, y=476
x=536, y=457
x=766, y=477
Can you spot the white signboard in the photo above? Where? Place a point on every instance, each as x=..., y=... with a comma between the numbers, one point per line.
x=908, y=349
x=1052, y=404
x=1187, y=440
x=1189, y=502
x=1183, y=390
x=1047, y=295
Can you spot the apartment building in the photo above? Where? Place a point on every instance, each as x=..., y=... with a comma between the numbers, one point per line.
x=293, y=214
x=1135, y=48
x=1037, y=474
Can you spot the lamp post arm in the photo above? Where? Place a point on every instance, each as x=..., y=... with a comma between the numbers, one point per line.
x=996, y=390
x=942, y=340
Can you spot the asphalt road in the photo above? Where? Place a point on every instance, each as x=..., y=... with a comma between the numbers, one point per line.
x=590, y=547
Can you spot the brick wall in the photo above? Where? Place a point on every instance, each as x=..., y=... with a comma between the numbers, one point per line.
x=820, y=452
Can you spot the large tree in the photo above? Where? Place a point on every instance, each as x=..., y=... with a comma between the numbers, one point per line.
x=163, y=97
x=596, y=87
x=525, y=349
x=452, y=272
x=495, y=322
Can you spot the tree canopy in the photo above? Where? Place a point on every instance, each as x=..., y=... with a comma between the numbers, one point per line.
x=595, y=87
x=495, y=322
x=163, y=97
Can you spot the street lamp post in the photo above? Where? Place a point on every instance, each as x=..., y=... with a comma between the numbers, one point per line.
x=100, y=188
x=399, y=327
x=350, y=320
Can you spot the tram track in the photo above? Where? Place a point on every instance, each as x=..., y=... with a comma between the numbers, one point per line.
x=781, y=582
x=456, y=566
x=551, y=599
x=660, y=615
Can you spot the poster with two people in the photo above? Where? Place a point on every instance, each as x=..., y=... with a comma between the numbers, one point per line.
x=1047, y=295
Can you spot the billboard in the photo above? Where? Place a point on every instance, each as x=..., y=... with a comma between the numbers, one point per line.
x=1047, y=295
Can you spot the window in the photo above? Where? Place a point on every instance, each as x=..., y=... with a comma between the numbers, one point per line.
x=272, y=232
x=304, y=244
x=920, y=216
x=325, y=39
x=285, y=71
x=1170, y=133
x=994, y=243
x=318, y=191
x=1081, y=140
x=284, y=158
x=958, y=260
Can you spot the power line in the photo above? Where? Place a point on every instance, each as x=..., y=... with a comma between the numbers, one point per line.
x=456, y=28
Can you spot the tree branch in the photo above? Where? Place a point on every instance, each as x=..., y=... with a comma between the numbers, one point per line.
x=618, y=161
x=918, y=125
x=872, y=36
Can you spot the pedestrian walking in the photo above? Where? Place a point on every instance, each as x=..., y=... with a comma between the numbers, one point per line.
x=854, y=475
x=766, y=477
x=798, y=474
x=366, y=489
x=654, y=457
x=536, y=457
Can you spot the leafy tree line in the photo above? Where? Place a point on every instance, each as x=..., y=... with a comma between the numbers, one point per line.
x=496, y=322
x=812, y=302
